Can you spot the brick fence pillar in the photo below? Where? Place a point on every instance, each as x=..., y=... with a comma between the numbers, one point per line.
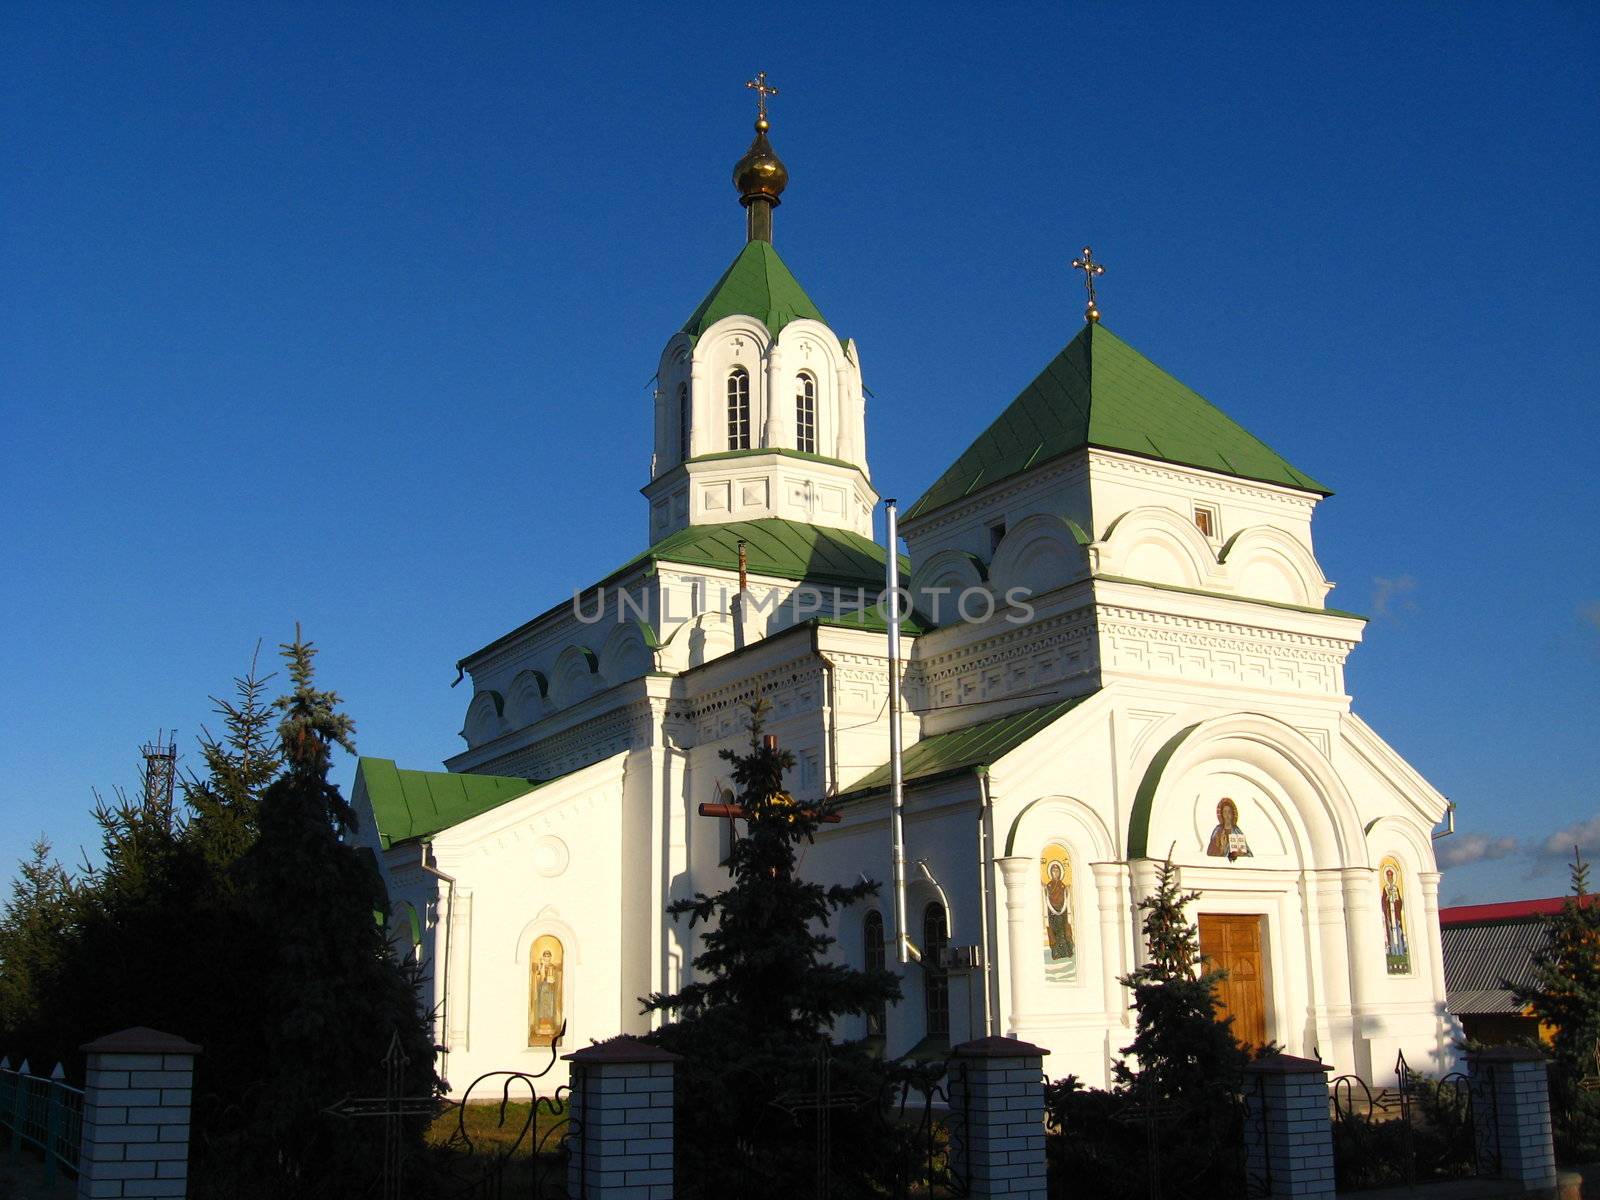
x=136, y=1115
x=622, y=1110
x=997, y=1110
x=1511, y=1112
x=1288, y=1134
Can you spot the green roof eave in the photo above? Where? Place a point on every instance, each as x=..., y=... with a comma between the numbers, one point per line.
x=756, y=284
x=409, y=806
x=945, y=755
x=775, y=547
x=1100, y=392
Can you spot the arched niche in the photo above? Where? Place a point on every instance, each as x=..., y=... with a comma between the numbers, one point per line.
x=1037, y=555
x=1158, y=545
x=1297, y=783
x=526, y=698
x=548, y=924
x=1267, y=563
x=574, y=676
x=627, y=653
x=956, y=570
x=485, y=719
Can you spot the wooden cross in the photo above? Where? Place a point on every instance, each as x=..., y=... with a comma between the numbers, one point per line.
x=762, y=89
x=1090, y=269
x=733, y=812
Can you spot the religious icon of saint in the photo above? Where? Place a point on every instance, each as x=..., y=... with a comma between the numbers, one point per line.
x=544, y=1017
x=1061, y=951
x=1397, y=949
x=1227, y=839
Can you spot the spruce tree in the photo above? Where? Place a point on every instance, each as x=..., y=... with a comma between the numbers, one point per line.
x=1183, y=1051
x=224, y=802
x=750, y=1024
x=35, y=933
x=319, y=990
x=1565, y=993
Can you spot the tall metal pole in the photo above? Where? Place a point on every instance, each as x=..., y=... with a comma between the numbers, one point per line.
x=896, y=782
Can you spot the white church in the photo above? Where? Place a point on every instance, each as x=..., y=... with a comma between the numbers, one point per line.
x=1120, y=649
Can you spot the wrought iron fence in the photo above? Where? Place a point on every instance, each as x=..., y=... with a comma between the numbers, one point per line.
x=44, y=1113
x=1412, y=1131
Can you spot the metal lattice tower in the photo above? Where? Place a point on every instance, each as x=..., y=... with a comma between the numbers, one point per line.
x=160, y=773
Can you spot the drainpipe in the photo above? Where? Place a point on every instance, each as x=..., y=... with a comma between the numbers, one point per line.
x=896, y=781
x=985, y=839
x=1449, y=821
x=449, y=922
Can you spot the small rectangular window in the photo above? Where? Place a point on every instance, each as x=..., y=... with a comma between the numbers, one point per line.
x=1205, y=520
x=997, y=533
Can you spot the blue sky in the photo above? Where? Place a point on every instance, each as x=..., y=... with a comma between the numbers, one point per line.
x=346, y=315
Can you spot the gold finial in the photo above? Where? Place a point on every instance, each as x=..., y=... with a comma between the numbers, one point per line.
x=762, y=89
x=1090, y=269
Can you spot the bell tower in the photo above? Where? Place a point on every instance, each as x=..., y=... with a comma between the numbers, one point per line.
x=759, y=406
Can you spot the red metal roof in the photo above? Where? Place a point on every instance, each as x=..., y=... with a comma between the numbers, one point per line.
x=1511, y=910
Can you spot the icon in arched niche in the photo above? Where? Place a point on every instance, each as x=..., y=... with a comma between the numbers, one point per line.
x=1060, y=942
x=1392, y=900
x=1227, y=839
x=546, y=965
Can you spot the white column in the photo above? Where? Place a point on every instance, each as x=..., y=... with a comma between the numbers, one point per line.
x=1021, y=878
x=136, y=1116
x=1108, y=892
x=843, y=418
x=1142, y=879
x=1429, y=883
x=780, y=420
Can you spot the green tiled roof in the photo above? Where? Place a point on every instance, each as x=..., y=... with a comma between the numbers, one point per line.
x=775, y=547
x=975, y=746
x=1102, y=392
x=756, y=285
x=409, y=805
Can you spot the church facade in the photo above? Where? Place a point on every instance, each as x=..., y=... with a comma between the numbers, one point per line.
x=1119, y=651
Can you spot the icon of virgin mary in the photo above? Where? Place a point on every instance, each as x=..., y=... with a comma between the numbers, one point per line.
x=1227, y=839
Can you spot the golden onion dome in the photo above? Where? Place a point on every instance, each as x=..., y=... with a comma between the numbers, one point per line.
x=760, y=173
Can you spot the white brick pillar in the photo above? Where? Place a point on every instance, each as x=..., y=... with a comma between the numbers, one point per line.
x=997, y=1118
x=621, y=1107
x=1511, y=1112
x=136, y=1115
x=1288, y=1135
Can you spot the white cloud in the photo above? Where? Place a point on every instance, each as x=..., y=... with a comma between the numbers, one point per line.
x=1392, y=597
x=1465, y=848
x=1585, y=835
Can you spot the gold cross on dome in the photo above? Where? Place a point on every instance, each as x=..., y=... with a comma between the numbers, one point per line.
x=1090, y=269
x=762, y=89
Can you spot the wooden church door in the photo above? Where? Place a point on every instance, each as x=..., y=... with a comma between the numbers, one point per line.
x=1232, y=943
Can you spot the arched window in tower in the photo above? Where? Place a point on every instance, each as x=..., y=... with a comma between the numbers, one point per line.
x=683, y=422
x=805, y=414
x=739, y=409
x=875, y=958
x=935, y=972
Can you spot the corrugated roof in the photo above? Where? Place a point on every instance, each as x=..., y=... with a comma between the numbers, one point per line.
x=1100, y=391
x=757, y=284
x=778, y=548
x=1482, y=959
x=974, y=746
x=409, y=805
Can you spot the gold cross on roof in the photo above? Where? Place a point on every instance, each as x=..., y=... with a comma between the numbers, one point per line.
x=762, y=89
x=1090, y=269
